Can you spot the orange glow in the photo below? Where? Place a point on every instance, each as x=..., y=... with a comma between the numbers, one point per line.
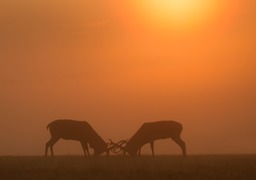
x=178, y=15
x=120, y=63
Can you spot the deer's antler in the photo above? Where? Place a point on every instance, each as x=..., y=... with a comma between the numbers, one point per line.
x=117, y=148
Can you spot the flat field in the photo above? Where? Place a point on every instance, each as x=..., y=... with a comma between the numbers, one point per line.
x=135, y=168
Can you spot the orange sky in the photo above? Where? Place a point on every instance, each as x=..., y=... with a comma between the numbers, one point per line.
x=117, y=64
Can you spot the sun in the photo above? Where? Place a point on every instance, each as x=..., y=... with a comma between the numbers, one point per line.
x=176, y=13
x=160, y=16
x=176, y=9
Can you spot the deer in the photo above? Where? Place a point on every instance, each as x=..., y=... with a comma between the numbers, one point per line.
x=80, y=131
x=148, y=133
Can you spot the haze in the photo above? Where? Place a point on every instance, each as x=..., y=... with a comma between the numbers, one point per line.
x=119, y=64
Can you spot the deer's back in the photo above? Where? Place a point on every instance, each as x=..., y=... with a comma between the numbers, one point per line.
x=69, y=129
x=158, y=130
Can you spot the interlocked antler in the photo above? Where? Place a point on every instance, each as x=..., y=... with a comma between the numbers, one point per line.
x=117, y=148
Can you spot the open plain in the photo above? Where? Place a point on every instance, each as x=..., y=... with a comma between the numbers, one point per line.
x=123, y=168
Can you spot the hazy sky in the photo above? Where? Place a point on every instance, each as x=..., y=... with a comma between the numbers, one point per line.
x=117, y=64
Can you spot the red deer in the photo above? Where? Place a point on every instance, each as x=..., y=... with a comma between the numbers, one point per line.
x=75, y=130
x=149, y=132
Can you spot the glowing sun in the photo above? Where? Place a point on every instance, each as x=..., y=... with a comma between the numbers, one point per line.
x=171, y=15
x=176, y=13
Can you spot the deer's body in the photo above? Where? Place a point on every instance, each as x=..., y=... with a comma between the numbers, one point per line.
x=75, y=130
x=149, y=132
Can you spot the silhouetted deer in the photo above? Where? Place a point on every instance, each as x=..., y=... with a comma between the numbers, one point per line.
x=75, y=130
x=149, y=132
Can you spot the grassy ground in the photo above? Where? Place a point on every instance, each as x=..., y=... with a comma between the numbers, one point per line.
x=123, y=168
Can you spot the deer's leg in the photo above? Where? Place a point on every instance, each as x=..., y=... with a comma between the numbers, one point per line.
x=85, y=148
x=181, y=143
x=139, y=151
x=46, y=149
x=47, y=146
x=107, y=152
x=152, y=148
x=50, y=144
x=124, y=153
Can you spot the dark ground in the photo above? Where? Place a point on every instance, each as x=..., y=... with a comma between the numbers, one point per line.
x=240, y=167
